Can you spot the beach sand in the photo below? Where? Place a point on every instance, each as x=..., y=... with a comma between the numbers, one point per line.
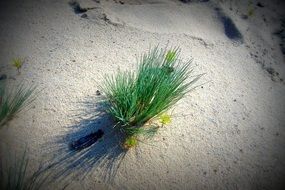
x=226, y=134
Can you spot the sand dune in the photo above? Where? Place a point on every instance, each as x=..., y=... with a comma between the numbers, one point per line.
x=227, y=134
x=169, y=18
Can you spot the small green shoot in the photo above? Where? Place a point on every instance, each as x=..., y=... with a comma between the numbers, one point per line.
x=130, y=142
x=17, y=63
x=165, y=119
x=170, y=56
x=250, y=11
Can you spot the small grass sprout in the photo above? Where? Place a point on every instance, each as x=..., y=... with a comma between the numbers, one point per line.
x=136, y=98
x=165, y=119
x=130, y=142
x=250, y=11
x=170, y=56
x=17, y=63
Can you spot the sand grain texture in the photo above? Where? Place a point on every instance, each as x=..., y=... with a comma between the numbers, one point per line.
x=227, y=135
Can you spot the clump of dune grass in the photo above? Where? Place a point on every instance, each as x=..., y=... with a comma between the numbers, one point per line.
x=14, y=175
x=137, y=99
x=14, y=100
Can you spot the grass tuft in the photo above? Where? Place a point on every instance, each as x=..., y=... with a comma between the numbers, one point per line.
x=17, y=63
x=14, y=174
x=13, y=101
x=135, y=99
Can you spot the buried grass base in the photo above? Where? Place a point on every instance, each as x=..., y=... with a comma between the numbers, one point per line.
x=130, y=142
x=148, y=131
x=137, y=100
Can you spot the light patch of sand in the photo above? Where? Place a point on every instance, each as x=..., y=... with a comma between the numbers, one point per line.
x=227, y=135
x=168, y=17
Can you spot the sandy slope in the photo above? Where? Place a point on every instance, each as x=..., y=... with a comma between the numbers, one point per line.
x=227, y=135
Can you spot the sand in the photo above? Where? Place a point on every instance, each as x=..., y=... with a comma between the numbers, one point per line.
x=227, y=134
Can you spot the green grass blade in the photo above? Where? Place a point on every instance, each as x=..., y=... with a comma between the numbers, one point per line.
x=14, y=101
x=161, y=80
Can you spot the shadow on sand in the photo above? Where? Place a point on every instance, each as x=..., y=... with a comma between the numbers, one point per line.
x=230, y=29
x=103, y=156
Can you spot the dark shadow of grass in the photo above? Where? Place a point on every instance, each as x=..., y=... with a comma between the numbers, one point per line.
x=104, y=156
